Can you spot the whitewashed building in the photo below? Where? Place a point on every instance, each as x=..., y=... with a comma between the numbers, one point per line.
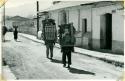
x=99, y=24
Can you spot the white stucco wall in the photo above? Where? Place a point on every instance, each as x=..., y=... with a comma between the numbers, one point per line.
x=118, y=26
x=73, y=17
x=85, y=13
x=54, y=15
x=97, y=12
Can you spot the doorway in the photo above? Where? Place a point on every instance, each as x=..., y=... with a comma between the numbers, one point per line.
x=106, y=31
x=84, y=30
x=84, y=26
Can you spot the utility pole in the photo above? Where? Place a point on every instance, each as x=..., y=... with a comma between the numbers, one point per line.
x=4, y=15
x=37, y=16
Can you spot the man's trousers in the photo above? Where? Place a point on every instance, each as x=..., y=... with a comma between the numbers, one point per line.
x=49, y=48
x=66, y=53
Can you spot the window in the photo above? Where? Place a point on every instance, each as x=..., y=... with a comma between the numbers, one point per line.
x=84, y=25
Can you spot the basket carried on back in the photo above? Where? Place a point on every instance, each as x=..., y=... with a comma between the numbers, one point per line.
x=66, y=39
x=49, y=30
x=15, y=24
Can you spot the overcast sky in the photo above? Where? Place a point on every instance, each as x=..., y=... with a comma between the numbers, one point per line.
x=25, y=7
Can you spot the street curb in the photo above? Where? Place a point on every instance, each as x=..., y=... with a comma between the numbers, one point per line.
x=116, y=63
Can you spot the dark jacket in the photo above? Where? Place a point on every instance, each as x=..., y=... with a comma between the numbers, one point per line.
x=67, y=48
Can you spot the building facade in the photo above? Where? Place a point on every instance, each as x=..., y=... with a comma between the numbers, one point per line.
x=99, y=25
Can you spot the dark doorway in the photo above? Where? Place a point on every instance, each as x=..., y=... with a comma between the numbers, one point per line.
x=106, y=31
x=84, y=29
x=84, y=26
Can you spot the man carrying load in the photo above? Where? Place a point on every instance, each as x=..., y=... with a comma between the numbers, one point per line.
x=49, y=35
x=67, y=42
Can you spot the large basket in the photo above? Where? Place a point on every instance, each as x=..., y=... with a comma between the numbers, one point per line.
x=15, y=24
x=70, y=36
x=49, y=30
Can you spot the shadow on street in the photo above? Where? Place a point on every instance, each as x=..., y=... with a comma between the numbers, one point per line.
x=74, y=70
x=78, y=71
x=56, y=61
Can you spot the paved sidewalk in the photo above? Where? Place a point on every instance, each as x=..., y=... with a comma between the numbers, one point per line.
x=117, y=60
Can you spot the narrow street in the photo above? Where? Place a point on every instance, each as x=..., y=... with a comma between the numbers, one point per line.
x=27, y=60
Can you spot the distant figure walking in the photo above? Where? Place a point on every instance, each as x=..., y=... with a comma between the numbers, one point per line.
x=15, y=33
x=4, y=30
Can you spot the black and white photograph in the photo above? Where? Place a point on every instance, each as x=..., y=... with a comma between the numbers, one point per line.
x=62, y=40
